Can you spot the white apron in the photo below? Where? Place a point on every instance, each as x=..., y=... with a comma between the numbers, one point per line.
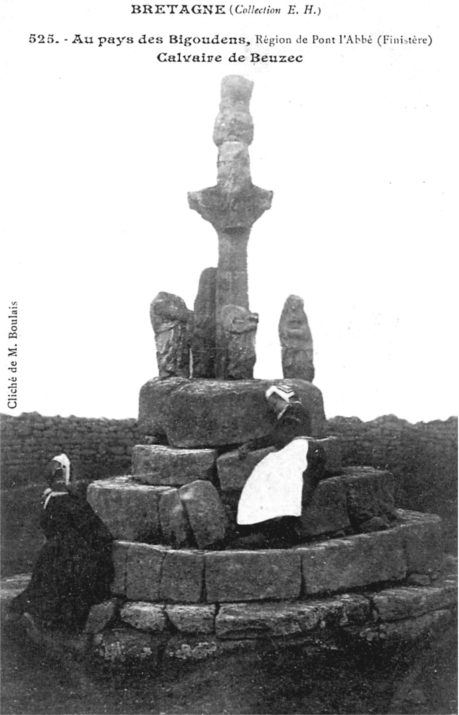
x=275, y=486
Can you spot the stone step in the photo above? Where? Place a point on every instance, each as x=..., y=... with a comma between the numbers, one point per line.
x=161, y=465
x=360, y=500
x=166, y=466
x=189, y=516
x=119, y=630
x=362, y=497
x=128, y=509
x=216, y=413
x=399, y=615
x=148, y=572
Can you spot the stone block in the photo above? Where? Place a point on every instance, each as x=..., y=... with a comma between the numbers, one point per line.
x=175, y=527
x=393, y=604
x=233, y=472
x=261, y=620
x=143, y=572
x=252, y=575
x=124, y=645
x=370, y=493
x=356, y=609
x=128, y=509
x=199, y=618
x=250, y=620
x=144, y=616
x=154, y=405
x=206, y=513
x=408, y=630
x=327, y=511
x=422, y=540
x=332, y=448
x=376, y=523
x=212, y=413
x=191, y=648
x=356, y=561
x=418, y=579
x=101, y=616
x=182, y=577
x=119, y=557
x=165, y=466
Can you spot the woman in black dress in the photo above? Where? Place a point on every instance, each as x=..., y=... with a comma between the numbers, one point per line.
x=74, y=569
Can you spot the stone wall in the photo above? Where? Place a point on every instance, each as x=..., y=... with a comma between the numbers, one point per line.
x=422, y=457
x=96, y=447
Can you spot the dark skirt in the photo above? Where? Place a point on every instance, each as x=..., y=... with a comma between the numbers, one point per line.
x=73, y=570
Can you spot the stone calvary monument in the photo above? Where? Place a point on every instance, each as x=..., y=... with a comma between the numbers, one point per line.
x=186, y=584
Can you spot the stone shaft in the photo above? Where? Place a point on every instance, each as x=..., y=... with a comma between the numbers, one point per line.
x=232, y=277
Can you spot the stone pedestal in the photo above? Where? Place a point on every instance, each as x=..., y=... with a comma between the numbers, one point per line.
x=143, y=572
x=174, y=621
x=190, y=414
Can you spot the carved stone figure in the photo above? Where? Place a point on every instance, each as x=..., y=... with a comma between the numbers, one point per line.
x=234, y=121
x=239, y=327
x=171, y=321
x=204, y=328
x=296, y=341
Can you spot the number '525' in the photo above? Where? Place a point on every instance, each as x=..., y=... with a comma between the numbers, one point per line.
x=41, y=39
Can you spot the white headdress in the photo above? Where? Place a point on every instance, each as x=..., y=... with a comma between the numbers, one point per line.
x=65, y=462
x=284, y=393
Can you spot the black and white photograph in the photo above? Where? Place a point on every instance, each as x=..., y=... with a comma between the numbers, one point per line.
x=229, y=376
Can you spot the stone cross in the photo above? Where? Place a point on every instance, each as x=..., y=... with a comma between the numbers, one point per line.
x=234, y=204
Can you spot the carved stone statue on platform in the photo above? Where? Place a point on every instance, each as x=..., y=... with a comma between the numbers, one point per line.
x=171, y=321
x=296, y=341
x=204, y=328
x=239, y=327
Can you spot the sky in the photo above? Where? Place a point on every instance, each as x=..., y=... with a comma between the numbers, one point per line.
x=102, y=144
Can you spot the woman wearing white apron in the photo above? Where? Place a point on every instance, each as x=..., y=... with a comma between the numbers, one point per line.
x=282, y=484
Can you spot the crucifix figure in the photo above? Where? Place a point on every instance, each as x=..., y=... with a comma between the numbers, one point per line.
x=233, y=205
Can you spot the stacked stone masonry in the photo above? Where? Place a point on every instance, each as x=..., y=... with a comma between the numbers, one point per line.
x=296, y=599
x=157, y=573
x=199, y=513
x=357, y=562
x=383, y=615
x=375, y=586
x=422, y=457
x=315, y=590
x=280, y=619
